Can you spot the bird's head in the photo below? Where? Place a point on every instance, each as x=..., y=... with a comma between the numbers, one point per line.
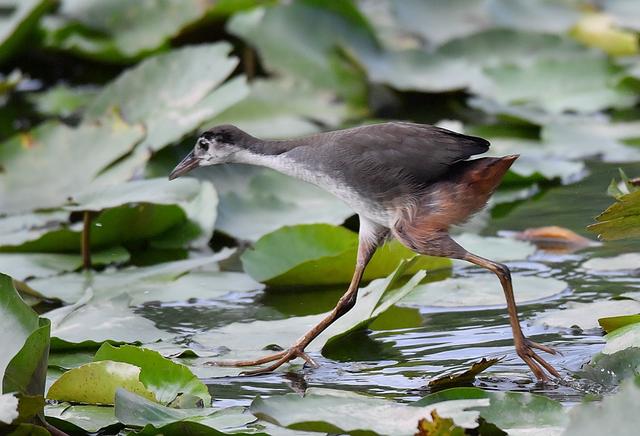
x=215, y=146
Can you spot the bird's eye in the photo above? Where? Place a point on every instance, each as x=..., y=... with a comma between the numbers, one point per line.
x=202, y=145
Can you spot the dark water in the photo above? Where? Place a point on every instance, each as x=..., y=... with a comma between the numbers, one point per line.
x=406, y=346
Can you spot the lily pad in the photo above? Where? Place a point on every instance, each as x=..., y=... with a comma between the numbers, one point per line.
x=97, y=382
x=320, y=254
x=612, y=323
x=247, y=340
x=622, y=338
x=119, y=31
x=620, y=220
x=21, y=266
x=625, y=13
x=461, y=378
x=552, y=16
x=62, y=100
x=481, y=291
x=586, y=315
x=196, y=93
x=611, y=369
x=26, y=343
x=494, y=248
x=622, y=262
x=164, y=378
x=33, y=162
x=331, y=411
x=18, y=19
x=247, y=192
x=88, y=418
x=615, y=414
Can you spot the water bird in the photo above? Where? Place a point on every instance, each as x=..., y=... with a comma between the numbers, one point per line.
x=405, y=180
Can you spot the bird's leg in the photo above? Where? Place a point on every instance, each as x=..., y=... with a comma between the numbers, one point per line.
x=524, y=347
x=369, y=238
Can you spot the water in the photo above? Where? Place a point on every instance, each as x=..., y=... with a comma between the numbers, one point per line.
x=407, y=346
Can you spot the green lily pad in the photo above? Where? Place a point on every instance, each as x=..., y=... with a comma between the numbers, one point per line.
x=119, y=31
x=84, y=417
x=580, y=85
x=282, y=109
x=552, y=16
x=332, y=411
x=494, y=248
x=622, y=338
x=586, y=315
x=97, y=382
x=33, y=162
x=62, y=100
x=615, y=414
x=69, y=288
x=164, y=378
x=21, y=266
x=247, y=192
x=625, y=13
x=620, y=220
x=481, y=291
x=611, y=369
x=196, y=93
x=461, y=378
x=26, y=343
x=321, y=254
x=612, y=323
x=514, y=412
x=247, y=340
x=18, y=19
x=622, y=262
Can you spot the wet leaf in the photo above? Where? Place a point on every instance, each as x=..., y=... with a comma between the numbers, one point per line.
x=248, y=340
x=161, y=376
x=248, y=192
x=25, y=343
x=497, y=249
x=282, y=109
x=21, y=266
x=331, y=411
x=196, y=93
x=320, y=254
x=62, y=100
x=552, y=16
x=620, y=220
x=586, y=315
x=459, y=378
x=18, y=19
x=482, y=290
x=598, y=30
x=35, y=161
x=88, y=418
x=615, y=414
x=625, y=13
x=612, y=323
x=611, y=369
x=97, y=382
x=513, y=412
x=438, y=426
x=622, y=338
x=118, y=31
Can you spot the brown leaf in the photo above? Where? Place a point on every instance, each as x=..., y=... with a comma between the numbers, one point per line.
x=463, y=378
x=438, y=426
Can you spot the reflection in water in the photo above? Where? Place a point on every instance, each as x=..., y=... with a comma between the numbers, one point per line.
x=408, y=346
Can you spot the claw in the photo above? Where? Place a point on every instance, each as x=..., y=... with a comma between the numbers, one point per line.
x=535, y=362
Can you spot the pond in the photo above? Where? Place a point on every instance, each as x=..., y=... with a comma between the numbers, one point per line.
x=407, y=346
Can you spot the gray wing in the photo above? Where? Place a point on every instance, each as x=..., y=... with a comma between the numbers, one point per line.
x=390, y=159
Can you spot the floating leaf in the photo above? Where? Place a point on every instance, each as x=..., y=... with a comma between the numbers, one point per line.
x=616, y=414
x=196, y=93
x=18, y=18
x=622, y=338
x=25, y=344
x=118, y=31
x=597, y=30
x=620, y=220
x=438, y=426
x=554, y=238
x=622, y=262
x=331, y=411
x=247, y=340
x=551, y=16
x=612, y=323
x=88, y=418
x=497, y=249
x=33, y=162
x=481, y=291
x=164, y=378
x=625, y=13
x=611, y=369
x=320, y=254
x=461, y=378
x=247, y=192
x=586, y=315
x=97, y=382
x=62, y=100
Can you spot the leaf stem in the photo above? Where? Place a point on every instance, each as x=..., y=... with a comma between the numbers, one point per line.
x=85, y=242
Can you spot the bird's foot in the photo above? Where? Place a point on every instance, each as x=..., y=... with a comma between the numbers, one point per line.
x=525, y=347
x=278, y=360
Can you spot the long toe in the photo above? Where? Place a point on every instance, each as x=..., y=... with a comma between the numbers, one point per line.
x=535, y=362
x=541, y=347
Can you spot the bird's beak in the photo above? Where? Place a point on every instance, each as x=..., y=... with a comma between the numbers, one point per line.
x=187, y=164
